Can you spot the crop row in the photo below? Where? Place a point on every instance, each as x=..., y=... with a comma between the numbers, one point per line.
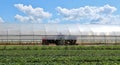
x=59, y=55
x=38, y=47
x=64, y=63
x=34, y=59
x=62, y=60
x=60, y=52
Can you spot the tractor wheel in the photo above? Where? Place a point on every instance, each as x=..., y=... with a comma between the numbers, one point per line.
x=45, y=42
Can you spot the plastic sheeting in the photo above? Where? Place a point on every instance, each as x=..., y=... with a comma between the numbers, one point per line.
x=53, y=31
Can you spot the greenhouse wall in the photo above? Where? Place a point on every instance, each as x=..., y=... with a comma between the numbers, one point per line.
x=88, y=34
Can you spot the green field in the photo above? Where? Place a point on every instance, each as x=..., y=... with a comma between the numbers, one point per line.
x=59, y=55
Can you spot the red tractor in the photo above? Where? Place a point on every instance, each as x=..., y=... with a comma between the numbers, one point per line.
x=60, y=40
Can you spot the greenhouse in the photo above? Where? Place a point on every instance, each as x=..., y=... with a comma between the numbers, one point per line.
x=81, y=33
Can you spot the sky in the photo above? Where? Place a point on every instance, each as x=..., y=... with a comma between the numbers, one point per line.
x=60, y=11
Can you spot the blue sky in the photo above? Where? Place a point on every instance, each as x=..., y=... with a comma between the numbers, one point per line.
x=60, y=11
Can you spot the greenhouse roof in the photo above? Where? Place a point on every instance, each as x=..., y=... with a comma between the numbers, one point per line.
x=56, y=29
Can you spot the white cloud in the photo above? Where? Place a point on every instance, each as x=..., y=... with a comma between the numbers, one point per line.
x=106, y=9
x=57, y=20
x=1, y=20
x=21, y=18
x=33, y=14
x=87, y=15
x=90, y=14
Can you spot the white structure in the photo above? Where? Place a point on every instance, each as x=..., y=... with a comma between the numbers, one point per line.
x=83, y=33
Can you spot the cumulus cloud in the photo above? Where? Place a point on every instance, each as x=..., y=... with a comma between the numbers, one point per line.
x=1, y=20
x=32, y=14
x=90, y=14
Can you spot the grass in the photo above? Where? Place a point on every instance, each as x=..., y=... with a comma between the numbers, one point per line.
x=59, y=55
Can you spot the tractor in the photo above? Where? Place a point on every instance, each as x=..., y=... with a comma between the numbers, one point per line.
x=60, y=40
